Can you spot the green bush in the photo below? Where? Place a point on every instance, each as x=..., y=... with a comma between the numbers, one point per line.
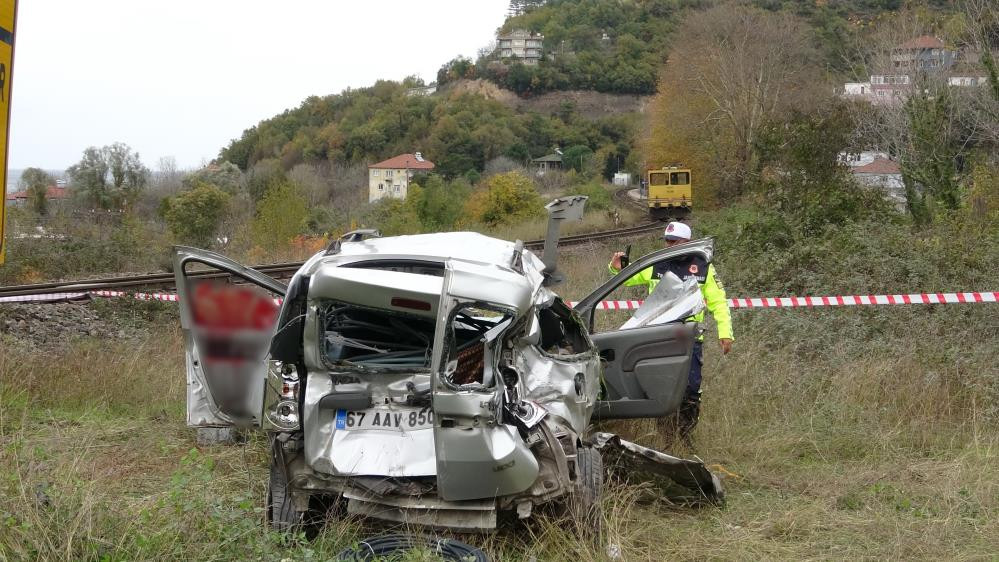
x=194, y=215
x=281, y=215
x=599, y=197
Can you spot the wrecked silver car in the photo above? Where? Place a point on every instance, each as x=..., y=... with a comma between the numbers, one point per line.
x=434, y=379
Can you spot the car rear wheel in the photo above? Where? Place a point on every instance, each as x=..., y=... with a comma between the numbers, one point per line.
x=589, y=491
x=281, y=512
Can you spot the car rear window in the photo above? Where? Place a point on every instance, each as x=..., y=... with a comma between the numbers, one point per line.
x=368, y=337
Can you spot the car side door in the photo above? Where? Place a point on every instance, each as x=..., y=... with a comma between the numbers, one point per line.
x=644, y=368
x=227, y=314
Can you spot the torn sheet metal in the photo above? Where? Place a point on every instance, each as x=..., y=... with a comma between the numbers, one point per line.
x=566, y=387
x=699, y=483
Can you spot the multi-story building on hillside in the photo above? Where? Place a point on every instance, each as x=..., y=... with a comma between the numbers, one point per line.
x=926, y=54
x=922, y=53
x=390, y=178
x=521, y=45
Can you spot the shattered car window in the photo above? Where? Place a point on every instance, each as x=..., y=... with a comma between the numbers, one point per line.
x=472, y=328
x=561, y=334
x=672, y=300
x=368, y=337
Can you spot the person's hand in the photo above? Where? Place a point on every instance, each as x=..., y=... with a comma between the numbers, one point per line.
x=726, y=345
x=616, y=260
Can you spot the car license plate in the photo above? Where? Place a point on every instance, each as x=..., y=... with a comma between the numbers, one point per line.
x=394, y=419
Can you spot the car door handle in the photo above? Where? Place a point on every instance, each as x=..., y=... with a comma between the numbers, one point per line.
x=607, y=354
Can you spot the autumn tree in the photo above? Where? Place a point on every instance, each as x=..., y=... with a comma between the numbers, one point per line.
x=224, y=175
x=110, y=177
x=506, y=199
x=736, y=70
x=36, y=182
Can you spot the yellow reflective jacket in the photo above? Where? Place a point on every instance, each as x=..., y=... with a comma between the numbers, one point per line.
x=711, y=290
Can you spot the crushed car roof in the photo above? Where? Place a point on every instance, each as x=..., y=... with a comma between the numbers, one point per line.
x=467, y=246
x=485, y=268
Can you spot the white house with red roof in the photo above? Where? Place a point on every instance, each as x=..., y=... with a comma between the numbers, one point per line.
x=390, y=178
x=884, y=174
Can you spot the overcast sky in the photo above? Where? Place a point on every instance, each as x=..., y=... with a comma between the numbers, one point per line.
x=182, y=78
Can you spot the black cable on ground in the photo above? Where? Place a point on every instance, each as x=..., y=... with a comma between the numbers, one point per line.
x=376, y=548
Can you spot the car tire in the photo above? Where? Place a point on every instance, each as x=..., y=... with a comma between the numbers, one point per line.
x=589, y=490
x=281, y=512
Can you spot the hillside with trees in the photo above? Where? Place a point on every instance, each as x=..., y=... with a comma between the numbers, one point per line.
x=619, y=46
x=460, y=133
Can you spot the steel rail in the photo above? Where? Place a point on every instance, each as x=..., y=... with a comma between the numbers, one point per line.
x=278, y=270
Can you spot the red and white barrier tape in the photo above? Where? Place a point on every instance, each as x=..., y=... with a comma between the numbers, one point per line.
x=768, y=302
x=839, y=300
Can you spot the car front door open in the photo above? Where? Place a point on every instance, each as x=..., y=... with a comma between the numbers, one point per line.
x=646, y=360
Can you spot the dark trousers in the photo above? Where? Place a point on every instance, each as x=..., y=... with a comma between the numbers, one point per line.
x=690, y=409
x=694, y=376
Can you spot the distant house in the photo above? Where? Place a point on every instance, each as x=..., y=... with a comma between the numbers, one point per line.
x=53, y=193
x=967, y=72
x=885, y=175
x=521, y=46
x=856, y=159
x=922, y=54
x=548, y=162
x=428, y=90
x=390, y=178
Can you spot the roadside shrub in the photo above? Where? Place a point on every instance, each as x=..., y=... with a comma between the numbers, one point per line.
x=507, y=198
x=394, y=216
x=194, y=215
x=281, y=215
x=438, y=204
x=599, y=197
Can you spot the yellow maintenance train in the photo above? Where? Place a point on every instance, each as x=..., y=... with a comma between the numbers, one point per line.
x=669, y=192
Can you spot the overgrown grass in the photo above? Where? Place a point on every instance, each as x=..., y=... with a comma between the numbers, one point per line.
x=849, y=452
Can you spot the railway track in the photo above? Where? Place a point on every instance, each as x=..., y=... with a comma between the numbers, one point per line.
x=623, y=199
x=277, y=270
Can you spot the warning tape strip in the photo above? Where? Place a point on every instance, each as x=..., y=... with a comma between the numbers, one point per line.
x=838, y=300
x=765, y=302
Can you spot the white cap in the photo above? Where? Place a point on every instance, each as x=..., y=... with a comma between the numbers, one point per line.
x=677, y=231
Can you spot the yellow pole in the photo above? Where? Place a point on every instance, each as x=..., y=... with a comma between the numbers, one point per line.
x=8, y=18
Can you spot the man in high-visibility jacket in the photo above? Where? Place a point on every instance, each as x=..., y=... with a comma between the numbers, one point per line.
x=714, y=298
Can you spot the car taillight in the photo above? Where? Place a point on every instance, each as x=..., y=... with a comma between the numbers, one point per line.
x=289, y=389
